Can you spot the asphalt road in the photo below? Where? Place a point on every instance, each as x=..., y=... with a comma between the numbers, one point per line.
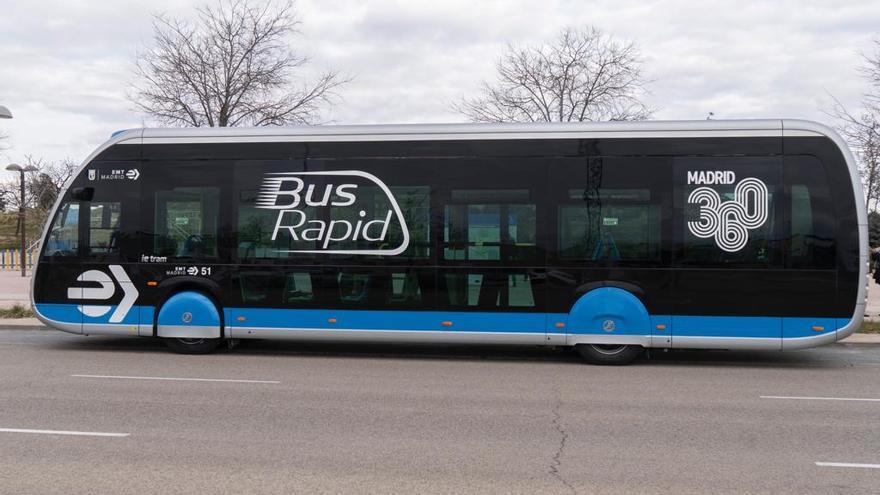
x=318, y=418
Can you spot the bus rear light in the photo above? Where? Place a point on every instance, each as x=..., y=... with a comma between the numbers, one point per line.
x=446, y=323
x=661, y=327
x=152, y=283
x=817, y=328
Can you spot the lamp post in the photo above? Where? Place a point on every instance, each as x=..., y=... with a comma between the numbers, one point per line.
x=5, y=113
x=14, y=167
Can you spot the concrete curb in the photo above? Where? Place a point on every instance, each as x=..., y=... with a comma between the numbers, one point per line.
x=21, y=324
x=861, y=338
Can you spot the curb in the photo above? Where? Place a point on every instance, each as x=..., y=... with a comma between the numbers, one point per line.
x=21, y=324
x=24, y=327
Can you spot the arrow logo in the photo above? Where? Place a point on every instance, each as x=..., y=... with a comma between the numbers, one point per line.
x=105, y=291
x=133, y=174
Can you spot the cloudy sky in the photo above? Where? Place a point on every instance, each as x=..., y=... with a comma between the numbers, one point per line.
x=66, y=65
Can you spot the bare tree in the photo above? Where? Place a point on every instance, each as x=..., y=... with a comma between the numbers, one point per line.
x=581, y=75
x=42, y=187
x=862, y=129
x=231, y=67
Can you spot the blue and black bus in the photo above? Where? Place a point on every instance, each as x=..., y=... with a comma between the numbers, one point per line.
x=608, y=237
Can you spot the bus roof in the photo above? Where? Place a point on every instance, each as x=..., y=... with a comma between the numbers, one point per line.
x=649, y=128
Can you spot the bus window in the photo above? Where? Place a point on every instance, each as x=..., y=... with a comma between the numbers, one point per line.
x=63, y=238
x=811, y=238
x=380, y=289
x=414, y=203
x=490, y=225
x=186, y=222
x=615, y=225
x=104, y=228
x=489, y=290
x=298, y=288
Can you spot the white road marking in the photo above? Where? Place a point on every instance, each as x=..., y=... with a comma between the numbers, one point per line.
x=174, y=379
x=61, y=432
x=848, y=465
x=854, y=399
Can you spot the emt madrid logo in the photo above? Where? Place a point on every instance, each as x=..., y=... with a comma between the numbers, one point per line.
x=728, y=221
x=301, y=197
x=104, y=292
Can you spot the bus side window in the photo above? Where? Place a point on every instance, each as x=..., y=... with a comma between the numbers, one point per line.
x=104, y=227
x=186, y=221
x=489, y=290
x=64, y=236
x=490, y=225
x=811, y=226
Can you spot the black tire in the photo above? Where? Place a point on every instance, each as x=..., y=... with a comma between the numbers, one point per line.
x=609, y=354
x=192, y=346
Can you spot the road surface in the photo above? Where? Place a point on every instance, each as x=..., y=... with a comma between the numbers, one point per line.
x=122, y=415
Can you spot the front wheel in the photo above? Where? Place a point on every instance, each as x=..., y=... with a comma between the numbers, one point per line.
x=613, y=354
x=191, y=346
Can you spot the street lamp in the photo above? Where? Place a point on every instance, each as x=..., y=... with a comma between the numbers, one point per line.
x=14, y=167
x=5, y=113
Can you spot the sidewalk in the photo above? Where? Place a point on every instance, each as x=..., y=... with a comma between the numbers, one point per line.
x=14, y=289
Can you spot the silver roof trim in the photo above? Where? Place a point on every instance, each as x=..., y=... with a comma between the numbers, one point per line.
x=411, y=132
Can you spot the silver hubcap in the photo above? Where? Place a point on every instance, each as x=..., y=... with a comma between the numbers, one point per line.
x=608, y=350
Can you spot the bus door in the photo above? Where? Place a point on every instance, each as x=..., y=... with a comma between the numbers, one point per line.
x=491, y=265
x=612, y=230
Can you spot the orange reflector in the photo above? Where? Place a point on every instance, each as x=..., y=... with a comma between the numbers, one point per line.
x=152, y=283
x=661, y=327
x=817, y=328
x=560, y=325
x=446, y=323
x=331, y=320
x=241, y=318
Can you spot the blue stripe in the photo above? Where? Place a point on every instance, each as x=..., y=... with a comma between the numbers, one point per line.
x=727, y=326
x=387, y=320
x=69, y=313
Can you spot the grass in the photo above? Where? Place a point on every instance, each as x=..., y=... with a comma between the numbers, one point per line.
x=870, y=327
x=17, y=311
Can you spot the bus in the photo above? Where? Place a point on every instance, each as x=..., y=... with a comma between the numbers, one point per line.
x=610, y=238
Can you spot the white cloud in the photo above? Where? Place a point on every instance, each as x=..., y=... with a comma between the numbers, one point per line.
x=65, y=65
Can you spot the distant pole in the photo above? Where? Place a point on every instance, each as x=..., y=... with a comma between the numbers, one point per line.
x=14, y=167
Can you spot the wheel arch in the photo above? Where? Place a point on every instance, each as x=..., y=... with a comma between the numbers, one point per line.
x=171, y=287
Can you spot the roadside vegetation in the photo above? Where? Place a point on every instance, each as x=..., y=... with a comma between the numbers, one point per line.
x=17, y=311
x=870, y=327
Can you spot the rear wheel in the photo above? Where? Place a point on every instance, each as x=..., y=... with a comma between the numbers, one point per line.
x=614, y=354
x=191, y=346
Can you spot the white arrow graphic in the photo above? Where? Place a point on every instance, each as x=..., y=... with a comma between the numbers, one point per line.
x=130, y=294
x=105, y=291
x=133, y=174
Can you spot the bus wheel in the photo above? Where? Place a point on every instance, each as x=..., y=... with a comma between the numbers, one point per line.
x=614, y=354
x=191, y=346
x=189, y=322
